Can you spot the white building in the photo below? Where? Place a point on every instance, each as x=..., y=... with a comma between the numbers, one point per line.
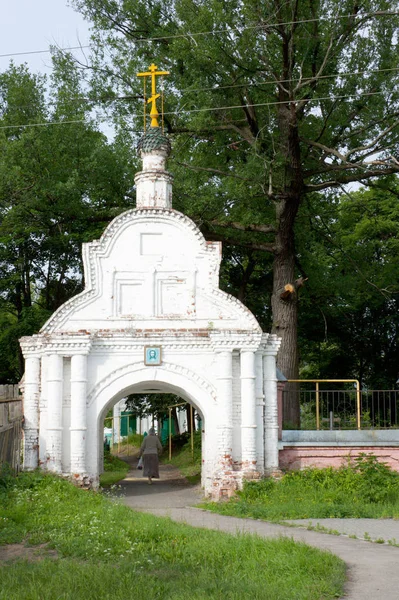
x=152, y=318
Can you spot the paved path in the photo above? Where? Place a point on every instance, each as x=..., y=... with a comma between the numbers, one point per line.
x=373, y=569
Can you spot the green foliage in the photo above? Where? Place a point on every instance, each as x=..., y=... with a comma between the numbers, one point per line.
x=150, y=404
x=135, y=440
x=363, y=488
x=349, y=310
x=188, y=462
x=115, y=469
x=102, y=545
x=113, y=463
x=59, y=186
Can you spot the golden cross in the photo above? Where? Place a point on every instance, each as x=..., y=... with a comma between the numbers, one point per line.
x=153, y=72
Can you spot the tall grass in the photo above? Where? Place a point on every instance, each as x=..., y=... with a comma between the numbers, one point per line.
x=362, y=488
x=105, y=549
x=115, y=469
x=188, y=462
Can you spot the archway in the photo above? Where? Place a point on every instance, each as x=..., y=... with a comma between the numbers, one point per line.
x=196, y=392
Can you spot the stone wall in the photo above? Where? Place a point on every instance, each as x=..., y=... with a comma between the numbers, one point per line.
x=11, y=415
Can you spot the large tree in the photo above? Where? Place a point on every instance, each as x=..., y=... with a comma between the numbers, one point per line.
x=268, y=101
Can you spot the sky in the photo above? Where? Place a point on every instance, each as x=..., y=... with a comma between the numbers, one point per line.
x=31, y=25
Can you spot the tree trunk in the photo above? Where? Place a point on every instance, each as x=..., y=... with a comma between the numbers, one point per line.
x=175, y=420
x=188, y=407
x=285, y=312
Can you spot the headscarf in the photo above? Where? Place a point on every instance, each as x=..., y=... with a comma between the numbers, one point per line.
x=151, y=431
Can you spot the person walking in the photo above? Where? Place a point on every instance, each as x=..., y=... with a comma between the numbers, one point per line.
x=150, y=449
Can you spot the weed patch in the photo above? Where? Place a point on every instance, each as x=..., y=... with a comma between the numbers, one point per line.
x=115, y=469
x=188, y=462
x=363, y=488
x=102, y=545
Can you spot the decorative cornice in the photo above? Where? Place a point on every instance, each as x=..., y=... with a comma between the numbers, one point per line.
x=195, y=340
x=272, y=345
x=231, y=340
x=65, y=345
x=150, y=174
x=30, y=346
x=132, y=368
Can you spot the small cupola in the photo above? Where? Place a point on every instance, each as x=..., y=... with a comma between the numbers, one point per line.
x=154, y=183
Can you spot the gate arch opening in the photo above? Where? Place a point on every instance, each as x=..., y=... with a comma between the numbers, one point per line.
x=142, y=382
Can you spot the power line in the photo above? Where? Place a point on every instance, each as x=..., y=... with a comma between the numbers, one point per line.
x=41, y=51
x=196, y=110
x=211, y=109
x=222, y=87
x=226, y=30
x=41, y=124
x=268, y=25
x=276, y=81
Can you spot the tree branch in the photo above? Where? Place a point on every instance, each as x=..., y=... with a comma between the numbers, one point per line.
x=209, y=170
x=212, y=236
x=350, y=178
x=242, y=227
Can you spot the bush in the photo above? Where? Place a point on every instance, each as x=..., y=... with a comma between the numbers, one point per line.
x=363, y=487
x=178, y=440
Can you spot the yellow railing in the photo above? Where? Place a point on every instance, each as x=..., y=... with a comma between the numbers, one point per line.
x=317, y=393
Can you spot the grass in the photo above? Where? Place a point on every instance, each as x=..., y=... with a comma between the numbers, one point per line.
x=115, y=469
x=189, y=464
x=104, y=548
x=363, y=488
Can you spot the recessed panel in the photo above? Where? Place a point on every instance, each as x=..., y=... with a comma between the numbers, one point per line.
x=173, y=297
x=151, y=244
x=130, y=298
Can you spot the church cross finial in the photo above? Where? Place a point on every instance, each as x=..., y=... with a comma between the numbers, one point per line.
x=153, y=73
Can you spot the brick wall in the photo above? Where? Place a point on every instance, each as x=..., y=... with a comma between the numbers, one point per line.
x=302, y=457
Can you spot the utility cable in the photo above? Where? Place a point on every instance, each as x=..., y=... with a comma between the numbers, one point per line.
x=211, y=109
x=223, y=87
x=226, y=30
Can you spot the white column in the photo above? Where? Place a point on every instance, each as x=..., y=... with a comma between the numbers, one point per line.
x=54, y=412
x=43, y=412
x=31, y=413
x=248, y=410
x=260, y=409
x=225, y=406
x=271, y=415
x=78, y=413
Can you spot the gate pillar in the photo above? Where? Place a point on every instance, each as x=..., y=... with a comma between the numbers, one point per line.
x=271, y=413
x=78, y=413
x=248, y=410
x=31, y=413
x=54, y=412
